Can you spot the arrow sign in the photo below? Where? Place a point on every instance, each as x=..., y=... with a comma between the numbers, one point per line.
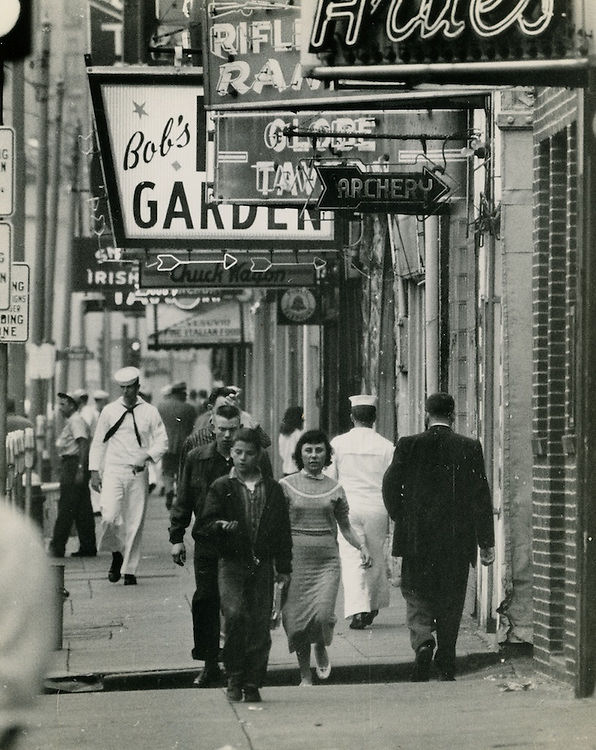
x=168, y=262
x=262, y=265
x=350, y=188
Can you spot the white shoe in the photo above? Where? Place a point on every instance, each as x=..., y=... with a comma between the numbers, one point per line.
x=305, y=683
x=322, y=672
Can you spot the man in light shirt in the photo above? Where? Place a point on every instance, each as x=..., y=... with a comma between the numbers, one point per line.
x=360, y=459
x=75, y=502
x=129, y=435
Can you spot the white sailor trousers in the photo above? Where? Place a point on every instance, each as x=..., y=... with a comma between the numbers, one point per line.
x=123, y=506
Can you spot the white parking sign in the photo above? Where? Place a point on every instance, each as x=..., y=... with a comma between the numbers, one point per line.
x=6, y=171
x=14, y=321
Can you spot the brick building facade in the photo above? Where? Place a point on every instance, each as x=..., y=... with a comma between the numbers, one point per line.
x=554, y=283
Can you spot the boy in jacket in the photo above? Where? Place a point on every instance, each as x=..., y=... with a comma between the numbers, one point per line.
x=246, y=517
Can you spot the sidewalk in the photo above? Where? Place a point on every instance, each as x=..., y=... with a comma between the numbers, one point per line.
x=124, y=637
x=123, y=645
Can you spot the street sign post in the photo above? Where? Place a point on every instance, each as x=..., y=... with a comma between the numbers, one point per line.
x=14, y=321
x=5, y=264
x=6, y=171
x=350, y=188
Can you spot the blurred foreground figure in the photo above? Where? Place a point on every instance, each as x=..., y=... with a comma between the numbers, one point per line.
x=26, y=621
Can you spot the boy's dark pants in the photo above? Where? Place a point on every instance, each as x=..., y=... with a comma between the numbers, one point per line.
x=246, y=600
x=205, y=610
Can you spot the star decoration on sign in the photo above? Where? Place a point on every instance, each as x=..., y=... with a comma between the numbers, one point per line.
x=140, y=110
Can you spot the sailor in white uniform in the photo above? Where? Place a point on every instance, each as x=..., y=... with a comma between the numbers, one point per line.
x=360, y=459
x=129, y=435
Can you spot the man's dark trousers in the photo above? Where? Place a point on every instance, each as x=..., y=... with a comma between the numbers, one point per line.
x=205, y=610
x=436, y=605
x=74, y=505
x=246, y=601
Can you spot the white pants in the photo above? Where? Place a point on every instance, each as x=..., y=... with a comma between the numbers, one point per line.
x=123, y=506
x=365, y=589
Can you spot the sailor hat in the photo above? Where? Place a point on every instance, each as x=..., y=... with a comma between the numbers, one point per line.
x=127, y=375
x=363, y=399
x=97, y=395
x=70, y=395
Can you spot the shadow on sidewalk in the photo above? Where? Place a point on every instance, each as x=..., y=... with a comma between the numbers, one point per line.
x=276, y=677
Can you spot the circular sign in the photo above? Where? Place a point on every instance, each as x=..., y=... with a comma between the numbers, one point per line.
x=298, y=305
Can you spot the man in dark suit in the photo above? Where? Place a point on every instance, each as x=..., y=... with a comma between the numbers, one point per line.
x=437, y=493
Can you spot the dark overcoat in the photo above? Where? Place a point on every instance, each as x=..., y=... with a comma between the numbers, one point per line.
x=437, y=494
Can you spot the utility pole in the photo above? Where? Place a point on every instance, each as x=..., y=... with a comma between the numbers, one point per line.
x=37, y=323
x=16, y=352
x=67, y=273
x=54, y=190
x=3, y=353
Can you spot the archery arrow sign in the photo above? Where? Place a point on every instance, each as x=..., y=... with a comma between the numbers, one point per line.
x=349, y=188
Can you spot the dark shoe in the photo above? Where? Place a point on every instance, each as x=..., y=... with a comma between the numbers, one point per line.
x=368, y=617
x=84, y=553
x=114, y=571
x=210, y=677
x=130, y=580
x=251, y=694
x=447, y=677
x=358, y=622
x=234, y=693
x=424, y=655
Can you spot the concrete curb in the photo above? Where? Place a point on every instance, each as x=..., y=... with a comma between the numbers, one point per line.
x=277, y=676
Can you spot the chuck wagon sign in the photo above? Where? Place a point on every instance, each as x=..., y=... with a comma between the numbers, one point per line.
x=152, y=134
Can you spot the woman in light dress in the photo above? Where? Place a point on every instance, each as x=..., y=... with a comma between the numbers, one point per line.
x=318, y=506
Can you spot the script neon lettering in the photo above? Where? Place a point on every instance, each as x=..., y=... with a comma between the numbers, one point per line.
x=431, y=18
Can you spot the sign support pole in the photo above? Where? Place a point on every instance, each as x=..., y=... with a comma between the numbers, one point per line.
x=16, y=352
x=70, y=229
x=3, y=353
x=37, y=323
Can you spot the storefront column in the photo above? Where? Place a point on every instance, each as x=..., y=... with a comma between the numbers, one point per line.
x=586, y=402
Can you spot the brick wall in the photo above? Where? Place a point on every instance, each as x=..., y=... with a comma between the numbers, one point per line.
x=553, y=323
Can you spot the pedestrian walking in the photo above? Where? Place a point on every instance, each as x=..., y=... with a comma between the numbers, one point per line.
x=318, y=505
x=100, y=397
x=129, y=434
x=74, y=504
x=360, y=459
x=247, y=517
x=86, y=410
x=178, y=417
x=27, y=615
x=292, y=426
x=202, y=467
x=204, y=431
x=437, y=493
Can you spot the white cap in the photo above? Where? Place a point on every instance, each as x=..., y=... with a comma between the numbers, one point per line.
x=363, y=399
x=100, y=394
x=79, y=393
x=127, y=375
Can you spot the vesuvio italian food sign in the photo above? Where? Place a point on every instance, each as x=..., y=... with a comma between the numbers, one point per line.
x=435, y=31
x=273, y=158
x=152, y=137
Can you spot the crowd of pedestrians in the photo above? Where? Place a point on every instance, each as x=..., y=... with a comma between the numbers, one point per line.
x=328, y=518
